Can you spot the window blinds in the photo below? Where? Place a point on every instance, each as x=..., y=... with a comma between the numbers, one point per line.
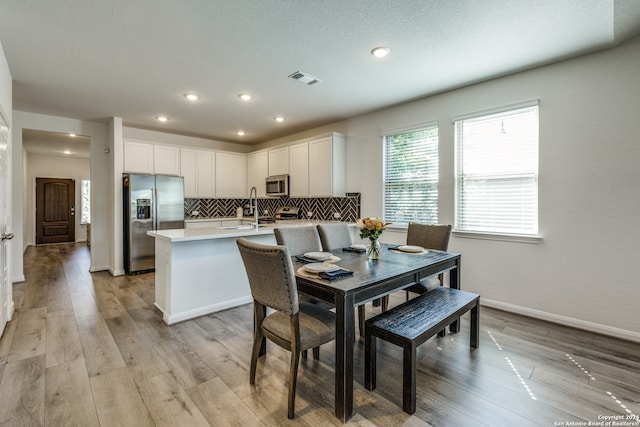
x=411, y=176
x=497, y=172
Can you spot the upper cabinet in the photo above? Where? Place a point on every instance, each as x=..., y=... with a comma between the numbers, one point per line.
x=231, y=175
x=138, y=157
x=166, y=160
x=145, y=157
x=257, y=171
x=198, y=169
x=279, y=161
x=327, y=166
x=299, y=170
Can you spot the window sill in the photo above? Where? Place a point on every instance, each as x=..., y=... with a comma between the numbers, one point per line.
x=521, y=238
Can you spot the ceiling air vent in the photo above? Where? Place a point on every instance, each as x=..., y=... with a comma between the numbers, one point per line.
x=304, y=78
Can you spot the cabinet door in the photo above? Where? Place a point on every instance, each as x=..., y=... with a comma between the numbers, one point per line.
x=206, y=177
x=279, y=161
x=166, y=160
x=257, y=171
x=138, y=157
x=320, y=167
x=188, y=165
x=299, y=170
x=231, y=175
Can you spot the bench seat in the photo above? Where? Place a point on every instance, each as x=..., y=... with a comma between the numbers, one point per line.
x=411, y=324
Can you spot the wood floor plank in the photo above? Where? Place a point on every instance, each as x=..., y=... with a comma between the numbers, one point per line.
x=63, y=340
x=100, y=351
x=22, y=392
x=69, y=400
x=168, y=402
x=30, y=336
x=117, y=400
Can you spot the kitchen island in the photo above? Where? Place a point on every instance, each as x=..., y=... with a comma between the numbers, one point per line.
x=199, y=269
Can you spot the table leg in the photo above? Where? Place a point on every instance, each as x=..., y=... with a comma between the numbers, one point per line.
x=454, y=283
x=345, y=333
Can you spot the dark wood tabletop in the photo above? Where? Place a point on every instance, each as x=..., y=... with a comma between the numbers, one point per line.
x=372, y=279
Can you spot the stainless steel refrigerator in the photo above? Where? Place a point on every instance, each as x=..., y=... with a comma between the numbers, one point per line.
x=150, y=202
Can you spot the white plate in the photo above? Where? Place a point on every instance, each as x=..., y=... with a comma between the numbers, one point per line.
x=410, y=248
x=320, y=256
x=358, y=246
x=318, y=267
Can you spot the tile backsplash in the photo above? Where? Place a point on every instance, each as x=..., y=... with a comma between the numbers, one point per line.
x=323, y=208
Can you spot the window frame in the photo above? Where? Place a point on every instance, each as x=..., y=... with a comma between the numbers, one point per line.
x=523, y=237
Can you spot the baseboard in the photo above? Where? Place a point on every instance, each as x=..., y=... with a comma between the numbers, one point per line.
x=171, y=319
x=563, y=320
x=94, y=269
x=18, y=279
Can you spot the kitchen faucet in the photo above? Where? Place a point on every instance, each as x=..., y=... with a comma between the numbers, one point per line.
x=253, y=206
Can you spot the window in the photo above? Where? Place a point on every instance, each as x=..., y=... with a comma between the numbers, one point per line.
x=85, y=201
x=497, y=172
x=411, y=176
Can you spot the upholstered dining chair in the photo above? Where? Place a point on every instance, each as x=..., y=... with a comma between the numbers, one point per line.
x=337, y=235
x=299, y=239
x=429, y=236
x=294, y=326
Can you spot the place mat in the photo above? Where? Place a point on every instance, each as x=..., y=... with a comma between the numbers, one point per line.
x=304, y=259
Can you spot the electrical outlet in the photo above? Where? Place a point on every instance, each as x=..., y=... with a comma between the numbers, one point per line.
x=337, y=215
x=266, y=212
x=195, y=213
x=309, y=214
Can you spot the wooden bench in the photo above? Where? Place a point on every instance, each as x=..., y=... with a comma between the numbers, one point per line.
x=411, y=324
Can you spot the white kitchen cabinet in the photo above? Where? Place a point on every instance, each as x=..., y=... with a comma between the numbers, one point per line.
x=231, y=175
x=257, y=171
x=198, y=169
x=138, y=157
x=299, y=170
x=327, y=174
x=279, y=161
x=166, y=160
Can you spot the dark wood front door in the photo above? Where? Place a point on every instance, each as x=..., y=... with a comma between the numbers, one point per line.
x=55, y=210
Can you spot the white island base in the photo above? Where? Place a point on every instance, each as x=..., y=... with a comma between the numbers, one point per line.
x=199, y=273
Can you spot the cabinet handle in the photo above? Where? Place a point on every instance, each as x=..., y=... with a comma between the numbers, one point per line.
x=7, y=236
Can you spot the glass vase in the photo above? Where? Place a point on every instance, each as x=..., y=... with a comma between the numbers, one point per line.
x=373, y=249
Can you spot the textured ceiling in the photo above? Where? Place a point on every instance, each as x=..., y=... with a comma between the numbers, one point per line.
x=92, y=59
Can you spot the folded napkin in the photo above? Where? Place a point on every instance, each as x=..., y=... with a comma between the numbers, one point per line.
x=306, y=260
x=393, y=247
x=335, y=274
x=360, y=251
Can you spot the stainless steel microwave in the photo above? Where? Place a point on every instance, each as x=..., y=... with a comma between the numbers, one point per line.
x=278, y=185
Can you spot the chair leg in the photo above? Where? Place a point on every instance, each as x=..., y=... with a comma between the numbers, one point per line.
x=304, y=354
x=293, y=378
x=316, y=353
x=255, y=353
x=385, y=303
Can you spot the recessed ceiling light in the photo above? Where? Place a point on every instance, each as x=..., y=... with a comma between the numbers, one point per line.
x=191, y=96
x=67, y=152
x=72, y=135
x=245, y=96
x=162, y=118
x=279, y=119
x=240, y=133
x=380, y=52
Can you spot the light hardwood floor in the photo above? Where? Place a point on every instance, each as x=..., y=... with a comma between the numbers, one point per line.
x=89, y=349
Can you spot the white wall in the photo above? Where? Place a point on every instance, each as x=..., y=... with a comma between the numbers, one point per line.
x=101, y=164
x=45, y=166
x=586, y=271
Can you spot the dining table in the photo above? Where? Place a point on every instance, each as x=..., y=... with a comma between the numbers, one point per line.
x=371, y=280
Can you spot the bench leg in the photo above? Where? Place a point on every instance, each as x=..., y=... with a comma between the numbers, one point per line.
x=475, y=326
x=409, y=378
x=370, y=356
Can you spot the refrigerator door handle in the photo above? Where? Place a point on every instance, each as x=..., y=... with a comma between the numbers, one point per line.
x=154, y=210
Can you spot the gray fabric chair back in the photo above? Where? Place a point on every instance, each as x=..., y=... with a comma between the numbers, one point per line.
x=271, y=276
x=299, y=239
x=334, y=236
x=430, y=236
